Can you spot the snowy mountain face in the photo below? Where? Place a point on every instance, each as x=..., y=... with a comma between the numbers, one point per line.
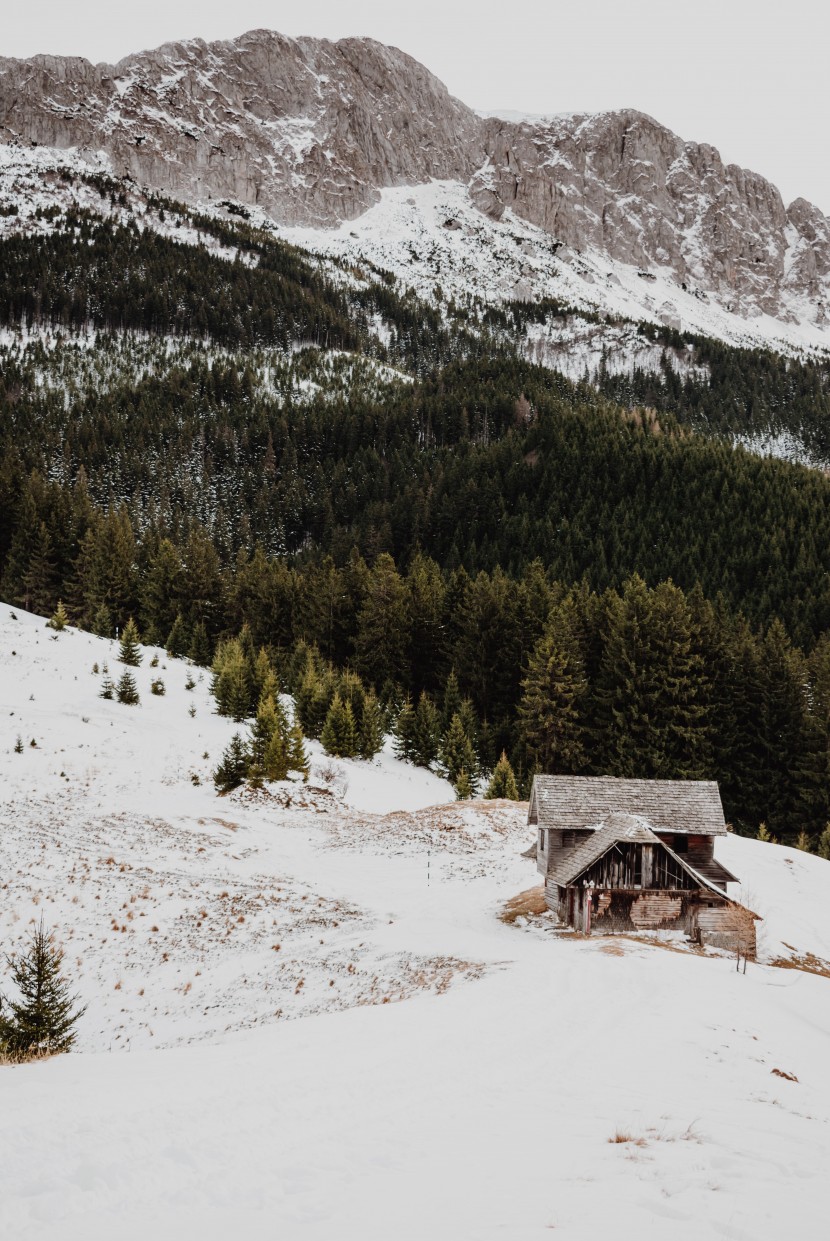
x=311, y=132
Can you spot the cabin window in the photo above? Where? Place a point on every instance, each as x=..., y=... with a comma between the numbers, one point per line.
x=541, y=839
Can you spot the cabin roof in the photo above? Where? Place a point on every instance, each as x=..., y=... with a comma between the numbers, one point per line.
x=620, y=828
x=580, y=803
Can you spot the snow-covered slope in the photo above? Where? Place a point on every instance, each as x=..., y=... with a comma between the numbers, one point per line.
x=526, y=1083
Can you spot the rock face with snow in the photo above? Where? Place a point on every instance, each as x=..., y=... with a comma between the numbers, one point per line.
x=311, y=130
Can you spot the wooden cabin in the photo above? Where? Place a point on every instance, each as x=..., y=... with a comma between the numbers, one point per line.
x=634, y=855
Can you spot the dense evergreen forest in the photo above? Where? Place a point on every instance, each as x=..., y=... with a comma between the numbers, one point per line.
x=575, y=576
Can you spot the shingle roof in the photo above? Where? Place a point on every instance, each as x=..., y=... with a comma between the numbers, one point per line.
x=619, y=828
x=575, y=803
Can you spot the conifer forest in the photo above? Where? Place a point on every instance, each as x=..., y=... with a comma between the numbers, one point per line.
x=418, y=530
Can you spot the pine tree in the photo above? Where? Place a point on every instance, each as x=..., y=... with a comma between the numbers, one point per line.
x=339, y=735
x=269, y=741
x=404, y=732
x=129, y=652
x=231, y=682
x=127, y=690
x=552, y=708
x=464, y=788
x=58, y=620
x=452, y=700
x=824, y=843
x=503, y=782
x=107, y=685
x=177, y=644
x=371, y=727
x=803, y=843
x=102, y=622
x=45, y=1015
x=763, y=833
x=457, y=753
x=297, y=757
x=199, y=649
x=233, y=769
x=427, y=733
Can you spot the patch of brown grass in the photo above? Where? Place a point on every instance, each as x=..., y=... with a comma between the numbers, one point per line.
x=531, y=901
x=8, y=1058
x=807, y=962
x=623, y=1138
x=788, y=1077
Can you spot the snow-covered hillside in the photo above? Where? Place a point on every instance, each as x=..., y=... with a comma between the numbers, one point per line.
x=524, y=1083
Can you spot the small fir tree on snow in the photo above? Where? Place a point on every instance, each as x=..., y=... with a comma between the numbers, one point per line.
x=199, y=649
x=44, y=1017
x=824, y=843
x=297, y=757
x=58, y=620
x=157, y=687
x=102, y=622
x=107, y=686
x=339, y=735
x=457, y=753
x=18, y=745
x=763, y=833
x=128, y=650
x=803, y=843
x=233, y=768
x=371, y=727
x=127, y=690
x=405, y=743
x=502, y=782
x=231, y=683
x=464, y=788
x=177, y=643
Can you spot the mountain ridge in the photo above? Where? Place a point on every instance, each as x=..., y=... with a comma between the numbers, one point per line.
x=313, y=131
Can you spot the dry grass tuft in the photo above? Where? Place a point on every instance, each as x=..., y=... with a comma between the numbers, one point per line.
x=623, y=1138
x=788, y=1077
x=8, y=1058
x=531, y=901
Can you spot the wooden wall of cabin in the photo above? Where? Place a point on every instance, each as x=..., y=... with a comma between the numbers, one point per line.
x=651, y=910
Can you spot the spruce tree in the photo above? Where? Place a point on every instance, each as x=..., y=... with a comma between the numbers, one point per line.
x=502, y=782
x=464, y=787
x=297, y=757
x=230, y=682
x=233, y=769
x=339, y=735
x=824, y=843
x=457, y=753
x=553, y=703
x=371, y=727
x=199, y=649
x=127, y=690
x=177, y=644
x=404, y=732
x=427, y=735
x=107, y=685
x=58, y=620
x=129, y=652
x=102, y=622
x=44, y=1017
x=452, y=700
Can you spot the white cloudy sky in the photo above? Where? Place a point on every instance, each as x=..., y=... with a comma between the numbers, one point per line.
x=749, y=76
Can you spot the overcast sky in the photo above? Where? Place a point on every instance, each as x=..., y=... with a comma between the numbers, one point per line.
x=748, y=76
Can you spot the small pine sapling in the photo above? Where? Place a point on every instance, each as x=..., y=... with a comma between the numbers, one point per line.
x=58, y=620
x=157, y=687
x=463, y=786
x=18, y=745
x=95, y=670
x=297, y=757
x=503, y=782
x=824, y=843
x=129, y=652
x=127, y=690
x=154, y=662
x=107, y=686
x=233, y=769
x=804, y=843
x=43, y=1019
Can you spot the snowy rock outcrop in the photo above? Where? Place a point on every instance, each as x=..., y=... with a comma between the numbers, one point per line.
x=311, y=130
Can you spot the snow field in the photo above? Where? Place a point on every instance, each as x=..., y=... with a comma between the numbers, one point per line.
x=528, y=1083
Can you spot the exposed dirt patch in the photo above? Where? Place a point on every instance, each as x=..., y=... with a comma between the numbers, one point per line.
x=807, y=962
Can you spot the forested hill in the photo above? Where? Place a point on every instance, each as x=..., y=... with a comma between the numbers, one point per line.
x=212, y=429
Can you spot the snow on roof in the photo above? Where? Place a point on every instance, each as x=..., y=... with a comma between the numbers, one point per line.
x=580, y=803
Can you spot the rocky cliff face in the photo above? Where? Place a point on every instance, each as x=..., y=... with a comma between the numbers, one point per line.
x=311, y=130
